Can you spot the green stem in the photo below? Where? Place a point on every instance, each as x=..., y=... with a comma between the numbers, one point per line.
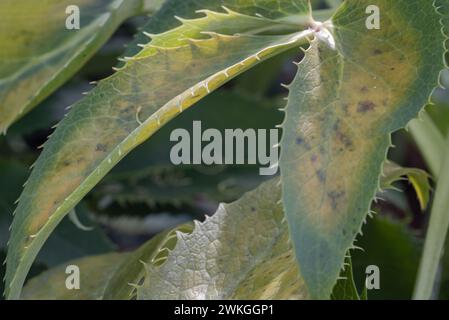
x=429, y=140
x=151, y=6
x=436, y=233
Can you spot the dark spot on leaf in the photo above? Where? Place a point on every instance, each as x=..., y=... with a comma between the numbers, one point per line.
x=101, y=147
x=364, y=89
x=344, y=139
x=365, y=106
x=377, y=52
x=334, y=196
x=299, y=141
x=321, y=175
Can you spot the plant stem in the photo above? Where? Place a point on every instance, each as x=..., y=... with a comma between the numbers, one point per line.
x=151, y=6
x=436, y=233
x=430, y=141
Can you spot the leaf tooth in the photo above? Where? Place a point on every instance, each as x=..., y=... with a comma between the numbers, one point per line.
x=184, y=21
x=229, y=11
x=150, y=35
x=354, y=247
x=134, y=285
x=205, y=84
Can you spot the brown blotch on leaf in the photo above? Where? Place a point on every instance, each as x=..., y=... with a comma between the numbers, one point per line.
x=334, y=197
x=377, y=52
x=364, y=89
x=365, y=106
x=101, y=147
x=343, y=138
x=321, y=175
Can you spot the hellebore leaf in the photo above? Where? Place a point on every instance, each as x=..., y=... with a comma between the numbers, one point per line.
x=172, y=72
x=38, y=53
x=241, y=252
x=354, y=87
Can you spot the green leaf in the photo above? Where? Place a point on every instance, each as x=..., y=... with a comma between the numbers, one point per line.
x=241, y=252
x=122, y=284
x=68, y=242
x=38, y=52
x=13, y=175
x=346, y=289
x=108, y=276
x=169, y=75
x=395, y=249
x=417, y=177
x=343, y=106
x=95, y=274
x=147, y=177
x=165, y=18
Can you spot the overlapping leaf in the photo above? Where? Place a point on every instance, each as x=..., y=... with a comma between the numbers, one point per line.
x=107, y=276
x=170, y=74
x=38, y=53
x=242, y=252
x=343, y=105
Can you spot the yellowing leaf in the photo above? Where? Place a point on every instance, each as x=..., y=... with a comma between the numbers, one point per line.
x=417, y=177
x=108, y=276
x=38, y=53
x=343, y=105
x=95, y=273
x=169, y=75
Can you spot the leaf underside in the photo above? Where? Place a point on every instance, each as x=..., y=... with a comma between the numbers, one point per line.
x=343, y=106
x=241, y=252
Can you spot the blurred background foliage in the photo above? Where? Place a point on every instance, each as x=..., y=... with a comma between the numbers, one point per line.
x=145, y=194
